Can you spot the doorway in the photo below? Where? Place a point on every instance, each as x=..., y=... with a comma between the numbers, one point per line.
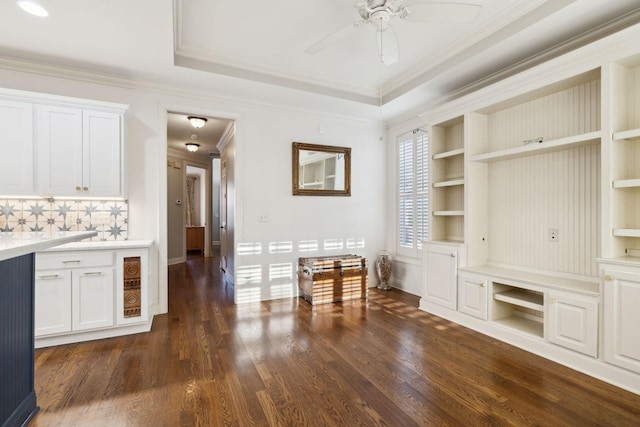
x=194, y=185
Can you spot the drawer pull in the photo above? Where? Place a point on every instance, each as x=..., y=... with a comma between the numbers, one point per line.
x=71, y=261
x=49, y=276
x=608, y=278
x=483, y=285
x=93, y=273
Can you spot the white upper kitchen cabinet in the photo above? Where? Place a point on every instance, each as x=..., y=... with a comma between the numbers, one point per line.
x=16, y=146
x=79, y=152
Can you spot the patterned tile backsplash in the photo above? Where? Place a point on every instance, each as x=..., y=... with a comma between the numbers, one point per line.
x=109, y=218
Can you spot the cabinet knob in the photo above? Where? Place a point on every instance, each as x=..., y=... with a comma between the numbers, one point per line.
x=78, y=188
x=483, y=285
x=553, y=301
x=608, y=278
x=453, y=254
x=85, y=188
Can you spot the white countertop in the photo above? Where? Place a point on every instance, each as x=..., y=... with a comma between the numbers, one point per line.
x=102, y=245
x=17, y=244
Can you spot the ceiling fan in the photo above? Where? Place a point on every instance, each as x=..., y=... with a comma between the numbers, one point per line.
x=379, y=12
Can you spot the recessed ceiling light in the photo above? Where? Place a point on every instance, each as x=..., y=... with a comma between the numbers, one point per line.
x=33, y=8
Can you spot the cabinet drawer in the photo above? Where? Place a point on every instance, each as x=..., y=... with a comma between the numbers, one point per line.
x=47, y=261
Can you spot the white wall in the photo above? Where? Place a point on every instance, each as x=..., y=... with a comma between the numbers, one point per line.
x=262, y=173
x=301, y=225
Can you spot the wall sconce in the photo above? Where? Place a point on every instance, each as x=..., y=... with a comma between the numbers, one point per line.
x=197, y=122
x=192, y=146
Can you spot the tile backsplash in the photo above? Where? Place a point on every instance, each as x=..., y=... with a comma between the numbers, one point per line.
x=109, y=218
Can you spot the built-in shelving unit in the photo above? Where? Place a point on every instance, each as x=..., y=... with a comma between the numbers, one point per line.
x=447, y=176
x=622, y=217
x=591, y=138
x=538, y=177
x=533, y=166
x=519, y=309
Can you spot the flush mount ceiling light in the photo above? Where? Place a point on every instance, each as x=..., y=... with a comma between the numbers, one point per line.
x=33, y=8
x=197, y=122
x=192, y=146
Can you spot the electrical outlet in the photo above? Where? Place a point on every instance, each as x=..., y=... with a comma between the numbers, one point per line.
x=100, y=218
x=553, y=235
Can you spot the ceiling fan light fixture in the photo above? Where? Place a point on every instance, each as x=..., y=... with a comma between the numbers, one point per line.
x=197, y=122
x=192, y=146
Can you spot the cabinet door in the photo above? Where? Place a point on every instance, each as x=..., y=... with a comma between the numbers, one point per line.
x=59, y=150
x=572, y=322
x=472, y=296
x=52, y=302
x=440, y=272
x=132, y=286
x=621, y=319
x=16, y=138
x=92, y=298
x=101, y=154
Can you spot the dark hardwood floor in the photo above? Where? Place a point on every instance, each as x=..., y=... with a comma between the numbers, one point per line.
x=379, y=362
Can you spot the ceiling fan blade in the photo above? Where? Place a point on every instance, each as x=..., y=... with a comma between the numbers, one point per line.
x=442, y=12
x=333, y=37
x=387, y=45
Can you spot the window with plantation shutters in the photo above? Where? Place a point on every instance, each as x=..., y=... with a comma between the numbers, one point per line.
x=413, y=192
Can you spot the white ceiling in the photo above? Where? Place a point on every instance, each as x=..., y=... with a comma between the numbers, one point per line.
x=248, y=48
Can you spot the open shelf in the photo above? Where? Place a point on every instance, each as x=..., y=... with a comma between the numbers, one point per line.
x=521, y=298
x=584, y=140
x=626, y=183
x=627, y=134
x=447, y=154
x=523, y=324
x=449, y=183
x=448, y=213
x=626, y=232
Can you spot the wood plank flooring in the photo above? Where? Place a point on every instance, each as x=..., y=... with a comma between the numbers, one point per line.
x=380, y=362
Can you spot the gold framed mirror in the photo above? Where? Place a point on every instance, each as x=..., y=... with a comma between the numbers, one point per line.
x=321, y=170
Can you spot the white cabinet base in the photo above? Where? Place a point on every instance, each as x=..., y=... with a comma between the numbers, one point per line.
x=441, y=262
x=622, y=318
x=573, y=323
x=472, y=295
x=81, y=295
x=51, y=340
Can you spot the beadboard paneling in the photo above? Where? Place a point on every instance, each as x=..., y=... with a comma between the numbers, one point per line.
x=529, y=196
x=573, y=111
x=634, y=99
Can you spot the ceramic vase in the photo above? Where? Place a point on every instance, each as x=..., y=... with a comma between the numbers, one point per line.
x=383, y=268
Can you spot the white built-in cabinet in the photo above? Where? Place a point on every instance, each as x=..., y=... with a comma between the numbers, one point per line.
x=16, y=146
x=73, y=292
x=472, y=295
x=61, y=146
x=81, y=295
x=79, y=152
x=537, y=180
x=573, y=322
x=441, y=261
x=622, y=314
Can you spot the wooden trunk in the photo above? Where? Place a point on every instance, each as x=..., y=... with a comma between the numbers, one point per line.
x=332, y=278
